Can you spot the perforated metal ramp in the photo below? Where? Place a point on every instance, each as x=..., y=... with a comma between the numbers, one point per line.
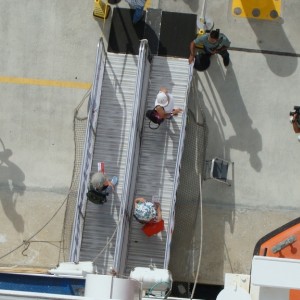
x=113, y=128
x=157, y=162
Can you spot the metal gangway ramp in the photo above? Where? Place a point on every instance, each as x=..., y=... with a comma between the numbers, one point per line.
x=146, y=161
x=159, y=162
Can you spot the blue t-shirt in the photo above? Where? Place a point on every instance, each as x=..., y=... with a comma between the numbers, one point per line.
x=136, y=3
x=209, y=47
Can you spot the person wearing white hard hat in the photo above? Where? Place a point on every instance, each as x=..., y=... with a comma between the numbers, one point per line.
x=164, y=104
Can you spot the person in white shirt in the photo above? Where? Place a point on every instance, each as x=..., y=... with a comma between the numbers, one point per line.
x=164, y=104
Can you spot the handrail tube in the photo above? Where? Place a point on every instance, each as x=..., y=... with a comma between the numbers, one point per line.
x=129, y=181
x=176, y=178
x=94, y=103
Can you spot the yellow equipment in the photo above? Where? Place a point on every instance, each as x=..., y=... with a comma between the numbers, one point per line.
x=199, y=33
x=101, y=10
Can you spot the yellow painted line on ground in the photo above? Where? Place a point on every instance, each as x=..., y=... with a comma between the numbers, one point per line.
x=257, y=9
x=44, y=82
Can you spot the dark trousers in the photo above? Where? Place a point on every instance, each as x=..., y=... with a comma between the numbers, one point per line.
x=202, y=60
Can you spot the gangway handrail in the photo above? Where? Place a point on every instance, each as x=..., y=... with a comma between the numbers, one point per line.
x=132, y=153
x=94, y=104
x=176, y=177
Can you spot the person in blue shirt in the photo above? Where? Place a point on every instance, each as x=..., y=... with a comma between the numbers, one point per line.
x=209, y=44
x=138, y=6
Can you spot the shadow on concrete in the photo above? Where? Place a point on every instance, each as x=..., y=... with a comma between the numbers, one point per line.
x=187, y=206
x=265, y=32
x=246, y=138
x=187, y=231
x=224, y=110
x=12, y=185
x=218, y=199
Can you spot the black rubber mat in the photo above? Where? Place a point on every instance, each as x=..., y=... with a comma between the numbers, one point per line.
x=124, y=36
x=169, y=34
x=152, y=29
x=176, y=33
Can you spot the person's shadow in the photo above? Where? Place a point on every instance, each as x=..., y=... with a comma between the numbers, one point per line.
x=11, y=186
x=201, y=126
x=223, y=108
x=271, y=37
x=246, y=137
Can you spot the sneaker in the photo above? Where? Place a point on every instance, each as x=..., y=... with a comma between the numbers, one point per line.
x=114, y=180
x=226, y=60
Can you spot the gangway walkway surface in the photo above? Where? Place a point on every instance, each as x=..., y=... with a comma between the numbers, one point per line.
x=111, y=144
x=159, y=160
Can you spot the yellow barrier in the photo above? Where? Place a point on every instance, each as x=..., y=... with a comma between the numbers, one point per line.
x=101, y=10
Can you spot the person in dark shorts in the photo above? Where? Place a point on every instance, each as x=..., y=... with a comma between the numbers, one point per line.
x=206, y=45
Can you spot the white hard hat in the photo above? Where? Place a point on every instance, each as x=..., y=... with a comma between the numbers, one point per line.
x=161, y=99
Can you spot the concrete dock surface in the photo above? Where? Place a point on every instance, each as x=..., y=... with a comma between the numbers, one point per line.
x=46, y=69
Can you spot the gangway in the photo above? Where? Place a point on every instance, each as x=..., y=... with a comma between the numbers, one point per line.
x=159, y=163
x=146, y=161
